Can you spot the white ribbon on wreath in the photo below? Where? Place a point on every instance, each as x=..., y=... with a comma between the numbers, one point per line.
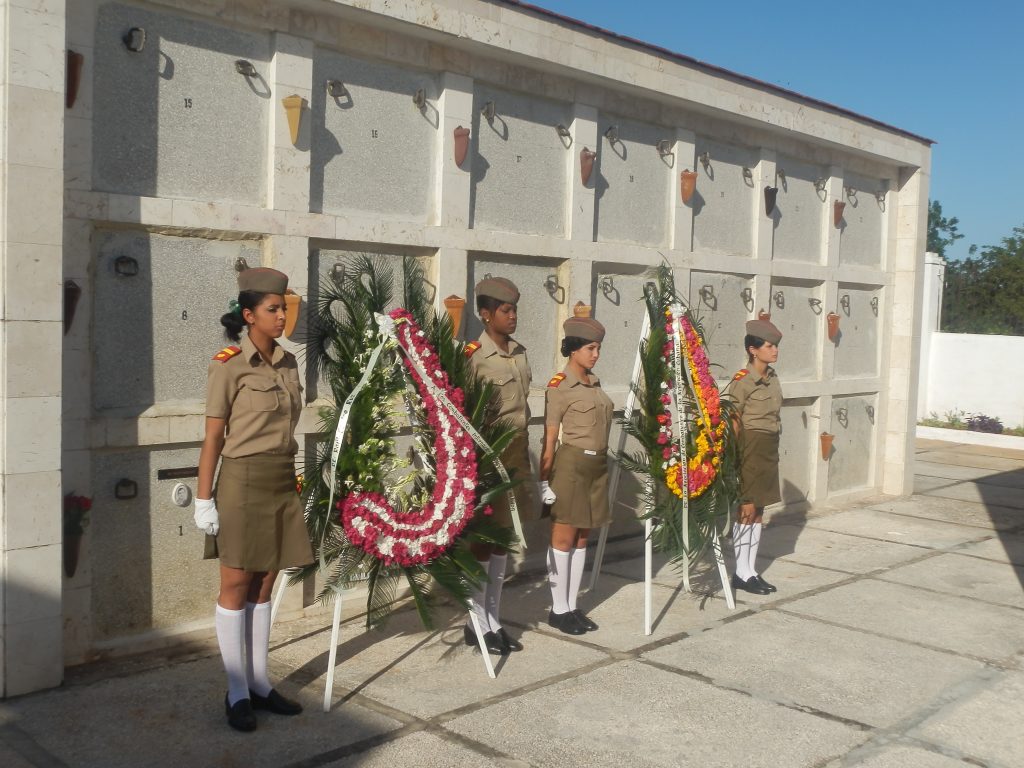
x=388, y=334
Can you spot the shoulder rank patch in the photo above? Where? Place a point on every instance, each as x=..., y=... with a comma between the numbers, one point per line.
x=471, y=348
x=557, y=379
x=740, y=374
x=227, y=353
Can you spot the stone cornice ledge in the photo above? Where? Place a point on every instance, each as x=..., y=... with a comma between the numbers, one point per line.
x=529, y=37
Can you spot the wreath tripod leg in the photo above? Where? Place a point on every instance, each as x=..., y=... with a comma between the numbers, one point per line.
x=483, y=645
x=333, y=653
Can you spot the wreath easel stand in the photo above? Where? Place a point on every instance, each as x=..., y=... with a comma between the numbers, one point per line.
x=387, y=327
x=613, y=484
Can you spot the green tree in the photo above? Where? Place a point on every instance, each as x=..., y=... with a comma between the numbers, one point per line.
x=942, y=232
x=984, y=293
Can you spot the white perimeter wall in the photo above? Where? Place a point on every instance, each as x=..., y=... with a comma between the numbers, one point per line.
x=968, y=372
x=975, y=373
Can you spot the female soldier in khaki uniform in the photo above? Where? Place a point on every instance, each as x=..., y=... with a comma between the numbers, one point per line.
x=576, y=406
x=498, y=358
x=758, y=397
x=253, y=519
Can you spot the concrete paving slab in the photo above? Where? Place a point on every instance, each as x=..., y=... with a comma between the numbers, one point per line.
x=957, y=458
x=8, y=757
x=941, y=621
x=965, y=576
x=427, y=673
x=175, y=717
x=1004, y=548
x=982, y=493
x=618, y=609
x=424, y=750
x=901, y=530
x=634, y=714
x=791, y=659
x=990, y=450
x=1010, y=479
x=790, y=578
x=896, y=756
x=981, y=726
x=992, y=517
x=838, y=551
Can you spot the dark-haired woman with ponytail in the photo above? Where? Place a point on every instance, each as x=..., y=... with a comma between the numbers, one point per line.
x=577, y=417
x=253, y=518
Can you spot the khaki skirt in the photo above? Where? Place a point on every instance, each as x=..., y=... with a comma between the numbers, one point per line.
x=580, y=482
x=261, y=523
x=516, y=458
x=759, y=468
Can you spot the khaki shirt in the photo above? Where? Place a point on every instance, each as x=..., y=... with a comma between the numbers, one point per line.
x=758, y=400
x=584, y=411
x=260, y=402
x=510, y=374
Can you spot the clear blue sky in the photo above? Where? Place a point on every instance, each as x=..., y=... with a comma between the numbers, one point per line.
x=951, y=71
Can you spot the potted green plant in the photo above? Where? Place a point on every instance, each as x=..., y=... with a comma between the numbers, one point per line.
x=76, y=518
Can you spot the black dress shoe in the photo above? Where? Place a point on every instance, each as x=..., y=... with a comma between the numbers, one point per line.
x=565, y=622
x=583, y=621
x=765, y=584
x=491, y=641
x=275, y=702
x=751, y=585
x=508, y=641
x=240, y=715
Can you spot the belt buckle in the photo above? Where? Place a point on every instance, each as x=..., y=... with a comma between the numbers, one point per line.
x=590, y=453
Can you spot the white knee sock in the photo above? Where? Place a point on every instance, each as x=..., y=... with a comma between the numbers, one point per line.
x=576, y=566
x=478, y=602
x=558, y=579
x=257, y=646
x=231, y=638
x=496, y=574
x=741, y=534
x=755, y=539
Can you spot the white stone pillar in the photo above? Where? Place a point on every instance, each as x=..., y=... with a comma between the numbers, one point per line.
x=905, y=347
x=931, y=319
x=31, y=308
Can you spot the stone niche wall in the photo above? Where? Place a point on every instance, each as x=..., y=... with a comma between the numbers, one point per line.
x=540, y=307
x=155, y=331
x=373, y=149
x=176, y=119
x=631, y=183
x=800, y=210
x=863, y=224
x=619, y=305
x=723, y=303
x=798, y=449
x=519, y=171
x=723, y=203
x=797, y=310
x=859, y=309
x=147, y=566
x=853, y=424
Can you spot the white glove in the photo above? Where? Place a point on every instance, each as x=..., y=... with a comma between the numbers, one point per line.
x=206, y=517
x=547, y=496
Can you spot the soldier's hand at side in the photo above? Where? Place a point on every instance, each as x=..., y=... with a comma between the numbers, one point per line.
x=547, y=496
x=206, y=517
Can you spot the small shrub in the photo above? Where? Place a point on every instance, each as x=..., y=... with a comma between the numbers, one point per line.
x=979, y=422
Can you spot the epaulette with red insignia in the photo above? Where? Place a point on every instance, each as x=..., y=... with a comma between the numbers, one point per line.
x=740, y=374
x=557, y=379
x=471, y=348
x=227, y=353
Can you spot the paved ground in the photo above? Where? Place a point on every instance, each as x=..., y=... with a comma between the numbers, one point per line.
x=896, y=639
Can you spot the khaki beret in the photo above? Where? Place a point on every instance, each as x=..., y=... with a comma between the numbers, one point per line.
x=262, y=280
x=763, y=329
x=584, y=328
x=498, y=288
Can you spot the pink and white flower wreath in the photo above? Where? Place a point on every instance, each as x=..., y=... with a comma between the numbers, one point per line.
x=418, y=536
